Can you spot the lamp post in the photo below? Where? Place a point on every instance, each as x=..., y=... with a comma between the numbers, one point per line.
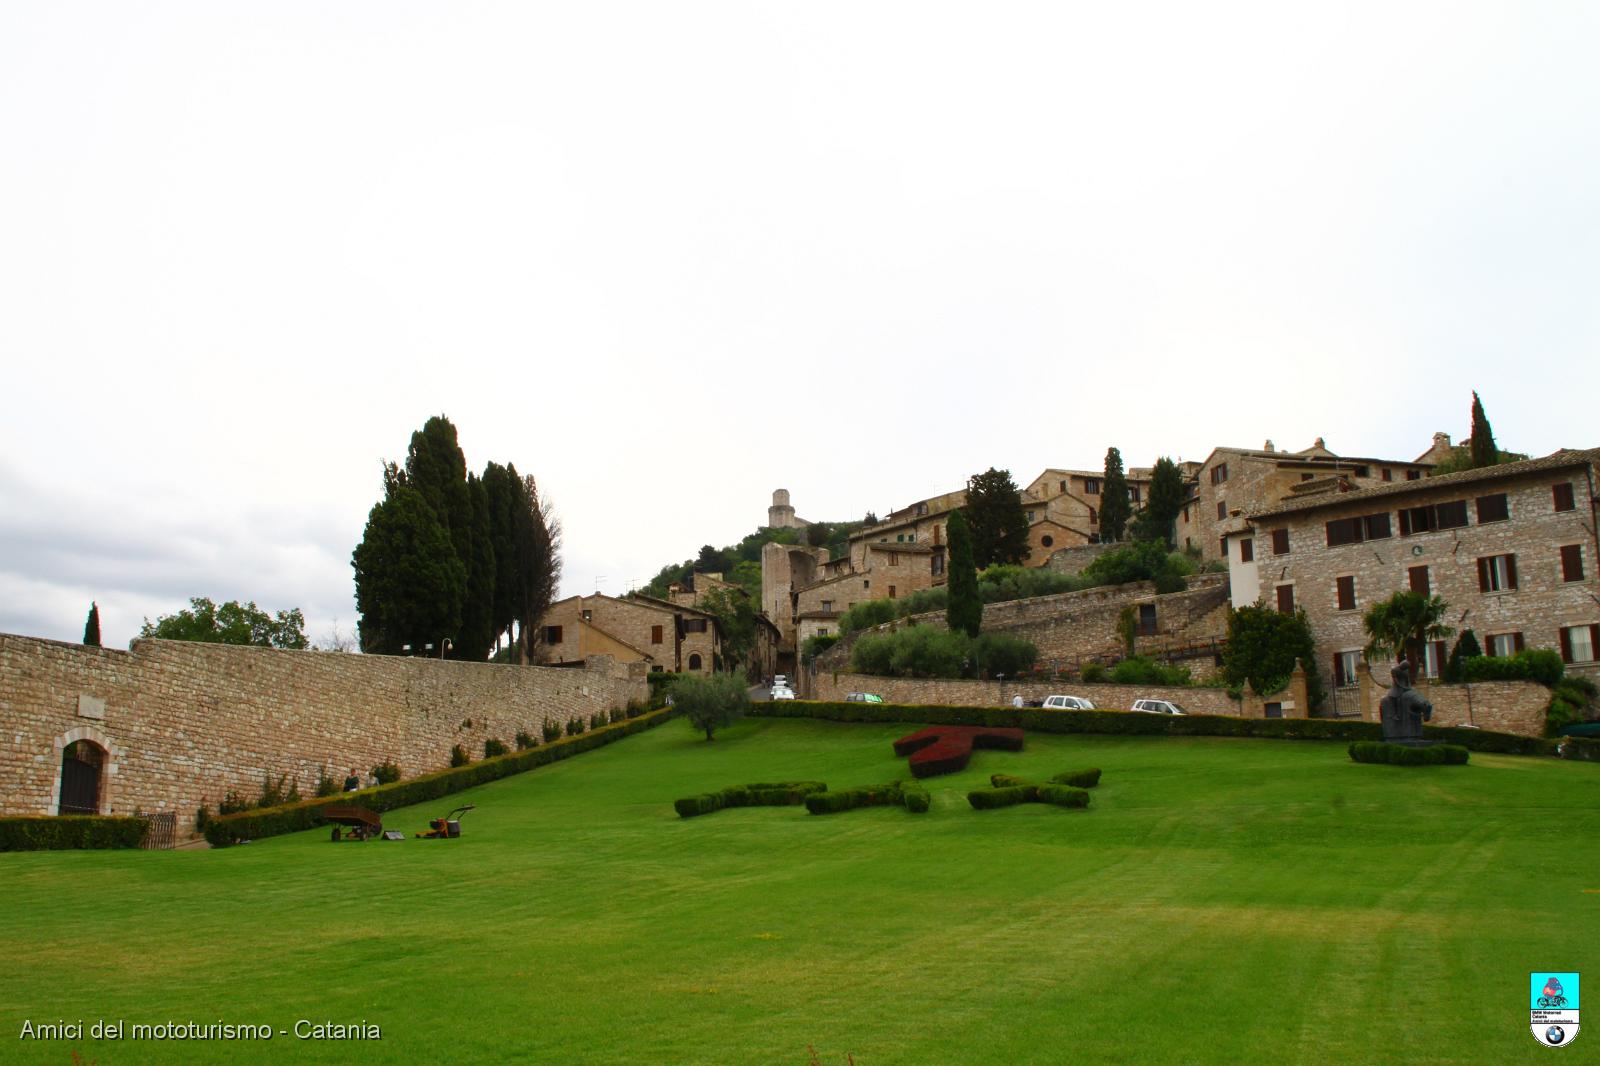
x=444, y=646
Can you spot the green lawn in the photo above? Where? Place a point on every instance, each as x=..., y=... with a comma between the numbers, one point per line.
x=1221, y=901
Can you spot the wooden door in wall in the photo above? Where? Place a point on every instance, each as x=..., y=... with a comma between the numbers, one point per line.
x=80, y=778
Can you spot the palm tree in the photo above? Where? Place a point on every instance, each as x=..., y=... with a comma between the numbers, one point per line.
x=1403, y=624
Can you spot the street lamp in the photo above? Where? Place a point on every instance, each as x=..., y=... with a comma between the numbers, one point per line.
x=444, y=646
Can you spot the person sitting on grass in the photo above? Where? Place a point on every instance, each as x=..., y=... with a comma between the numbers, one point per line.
x=353, y=782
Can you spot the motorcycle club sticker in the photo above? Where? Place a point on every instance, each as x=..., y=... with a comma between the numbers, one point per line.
x=1553, y=1008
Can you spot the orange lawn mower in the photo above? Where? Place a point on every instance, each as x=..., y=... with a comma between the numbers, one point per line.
x=448, y=827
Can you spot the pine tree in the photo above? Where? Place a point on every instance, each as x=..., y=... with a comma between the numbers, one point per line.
x=1482, y=446
x=91, y=626
x=996, y=520
x=1114, y=505
x=963, y=609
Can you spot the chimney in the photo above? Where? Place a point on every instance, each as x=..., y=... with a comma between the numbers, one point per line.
x=1268, y=446
x=1441, y=440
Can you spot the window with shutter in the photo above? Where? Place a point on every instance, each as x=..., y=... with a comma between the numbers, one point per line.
x=1419, y=580
x=552, y=634
x=1572, y=562
x=1222, y=509
x=1346, y=588
x=1493, y=508
x=1247, y=550
x=1280, y=542
x=655, y=634
x=1286, y=599
x=1451, y=515
x=1497, y=573
x=1579, y=643
x=1562, y=493
x=1339, y=680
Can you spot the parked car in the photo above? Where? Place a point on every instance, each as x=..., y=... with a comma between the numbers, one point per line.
x=1067, y=703
x=1157, y=707
x=862, y=697
x=782, y=692
x=781, y=679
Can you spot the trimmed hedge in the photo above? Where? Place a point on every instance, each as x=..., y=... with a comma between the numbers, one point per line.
x=43, y=832
x=1406, y=755
x=985, y=799
x=915, y=797
x=761, y=794
x=1129, y=723
x=1063, y=796
x=1580, y=748
x=293, y=817
x=848, y=799
x=1078, y=778
x=945, y=749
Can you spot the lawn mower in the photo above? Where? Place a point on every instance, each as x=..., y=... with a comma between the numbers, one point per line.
x=447, y=827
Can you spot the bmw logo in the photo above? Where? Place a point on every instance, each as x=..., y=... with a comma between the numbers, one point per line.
x=1555, y=1035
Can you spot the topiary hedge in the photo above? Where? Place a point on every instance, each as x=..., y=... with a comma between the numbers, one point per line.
x=1129, y=723
x=761, y=794
x=1078, y=778
x=1376, y=751
x=291, y=818
x=1063, y=790
x=910, y=795
x=43, y=832
x=1063, y=796
x=915, y=797
x=985, y=799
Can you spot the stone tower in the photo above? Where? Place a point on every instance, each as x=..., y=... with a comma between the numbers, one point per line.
x=780, y=515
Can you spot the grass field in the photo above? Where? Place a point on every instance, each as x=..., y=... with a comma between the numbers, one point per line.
x=1221, y=901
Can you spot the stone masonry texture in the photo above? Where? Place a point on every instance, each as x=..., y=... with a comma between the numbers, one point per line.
x=184, y=723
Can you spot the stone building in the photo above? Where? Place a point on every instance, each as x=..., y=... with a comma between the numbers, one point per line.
x=1239, y=481
x=764, y=654
x=666, y=636
x=781, y=515
x=1063, y=508
x=891, y=569
x=1511, y=549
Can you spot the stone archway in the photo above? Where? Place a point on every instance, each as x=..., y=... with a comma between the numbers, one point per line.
x=85, y=769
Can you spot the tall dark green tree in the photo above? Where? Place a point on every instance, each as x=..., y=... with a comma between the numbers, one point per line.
x=475, y=638
x=504, y=490
x=538, y=534
x=996, y=520
x=91, y=626
x=1482, y=446
x=1167, y=492
x=410, y=583
x=1114, y=506
x=963, y=609
x=1263, y=647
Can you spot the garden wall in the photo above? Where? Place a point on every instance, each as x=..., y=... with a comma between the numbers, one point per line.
x=1502, y=706
x=183, y=723
x=1107, y=697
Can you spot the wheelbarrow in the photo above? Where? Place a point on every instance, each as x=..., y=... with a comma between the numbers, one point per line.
x=358, y=823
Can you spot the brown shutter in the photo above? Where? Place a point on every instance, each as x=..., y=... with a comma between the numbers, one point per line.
x=1572, y=563
x=1338, y=669
x=1594, y=640
x=1566, y=646
x=1483, y=575
x=1440, y=654
x=1511, y=571
x=1516, y=640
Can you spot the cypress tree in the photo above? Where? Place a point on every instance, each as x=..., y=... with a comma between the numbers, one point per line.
x=476, y=636
x=963, y=609
x=1114, y=505
x=1466, y=647
x=1156, y=521
x=409, y=582
x=1482, y=446
x=91, y=626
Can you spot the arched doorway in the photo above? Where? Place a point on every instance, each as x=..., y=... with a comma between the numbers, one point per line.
x=82, y=766
x=694, y=661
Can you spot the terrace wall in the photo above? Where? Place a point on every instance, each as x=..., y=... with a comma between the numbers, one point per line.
x=184, y=723
x=1501, y=706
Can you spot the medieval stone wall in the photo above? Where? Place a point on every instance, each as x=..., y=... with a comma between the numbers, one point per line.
x=1499, y=706
x=184, y=723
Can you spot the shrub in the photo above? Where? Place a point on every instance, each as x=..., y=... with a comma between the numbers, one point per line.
x=551, y=730
x=493, y=747
x=1093, y=673
x=202, y=818
x=1580, y=748
x=525, y=740
x=660, y=685
x=1063, y=796
x=1078, y=778
x=574, y=726
x=1006, y=780
x=597, y=720
x=927, y=651
x=1376, y=751
x=999, y=653
x=915, y=797
x=37, y=832
x=233, y=801
x=761, y=794
x=1139, y=670
x=635, y=708
x=326, y=786
x=1534, y=664
x=423, y=788
x=617, y=714
x=272, y=792
x=819, y=643
x=459, y=756
x=848, y=799
x=985, y=799
x=387, y=773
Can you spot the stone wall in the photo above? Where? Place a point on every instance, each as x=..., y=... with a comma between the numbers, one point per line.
x=1499, y=706
x=183, y=723
x=830, y=687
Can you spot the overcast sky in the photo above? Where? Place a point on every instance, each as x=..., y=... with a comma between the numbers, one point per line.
x=668, y=257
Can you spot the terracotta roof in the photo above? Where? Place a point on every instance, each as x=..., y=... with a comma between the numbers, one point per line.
x=1564, y=459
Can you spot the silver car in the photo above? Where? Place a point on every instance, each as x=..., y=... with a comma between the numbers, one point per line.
x=782, y=692
x=1157, y=707
x=1067, y=703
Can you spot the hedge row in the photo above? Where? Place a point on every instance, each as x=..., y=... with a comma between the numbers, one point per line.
x=908, y=794
x=41, y=832
x=1408, y=755
x=985, y=799
x=1129, y=723
x=1078, y=778
x=293, y=817
x=1580, y=748
x=762, y=794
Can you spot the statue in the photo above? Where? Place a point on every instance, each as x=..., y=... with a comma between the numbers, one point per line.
x=1403, y=709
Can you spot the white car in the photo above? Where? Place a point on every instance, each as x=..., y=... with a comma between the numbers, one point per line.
x=782, y=692
x=1157, y=707
x=1067, y=703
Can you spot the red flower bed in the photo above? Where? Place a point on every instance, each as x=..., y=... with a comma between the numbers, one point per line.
x=944, y=749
